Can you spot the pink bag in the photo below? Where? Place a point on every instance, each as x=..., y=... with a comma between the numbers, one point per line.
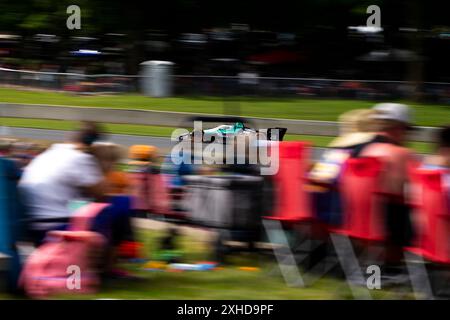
x=150, y=192
x=68, y=263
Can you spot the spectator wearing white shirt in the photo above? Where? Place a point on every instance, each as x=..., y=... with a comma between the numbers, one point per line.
x=62, y=173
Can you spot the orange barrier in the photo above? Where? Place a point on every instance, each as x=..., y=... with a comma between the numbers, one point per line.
x=359, y=185
x=292, y=202
x=433, y=212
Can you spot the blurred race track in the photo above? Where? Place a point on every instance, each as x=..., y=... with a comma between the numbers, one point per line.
x=126, y=140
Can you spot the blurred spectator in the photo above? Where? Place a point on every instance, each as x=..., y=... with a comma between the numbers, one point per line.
x=109, y=156
x=140, y=171
x=149, y=187
x=356, y=128
x=114, y=222
x=175, y=172
x=393, y=121
x=442, y=157
x=62, y=173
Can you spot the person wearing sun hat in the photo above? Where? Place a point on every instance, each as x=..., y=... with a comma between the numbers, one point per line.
x=141, y=154
x=145, y=179
x=356, y=127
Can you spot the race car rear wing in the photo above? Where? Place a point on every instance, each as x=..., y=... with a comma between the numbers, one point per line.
x=278, y=135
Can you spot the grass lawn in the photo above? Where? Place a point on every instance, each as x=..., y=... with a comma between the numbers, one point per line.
x=159, y=131
x=308, y=109
x=228, y=283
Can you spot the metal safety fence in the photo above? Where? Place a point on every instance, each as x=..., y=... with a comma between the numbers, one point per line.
x=245, y=84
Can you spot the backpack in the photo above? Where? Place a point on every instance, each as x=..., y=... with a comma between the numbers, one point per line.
x=68, y=263
x=149, y=190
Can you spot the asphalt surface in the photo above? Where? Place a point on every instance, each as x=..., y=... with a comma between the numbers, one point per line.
x=126, y=140
x=177, y=119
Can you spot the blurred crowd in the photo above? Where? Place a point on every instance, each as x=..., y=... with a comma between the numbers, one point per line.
x=248, y=82
x=380, y=133
x=76, y=78
x=51, y=195
x=245, y=80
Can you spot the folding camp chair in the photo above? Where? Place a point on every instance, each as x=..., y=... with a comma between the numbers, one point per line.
x=363, y=219
x=292, y=209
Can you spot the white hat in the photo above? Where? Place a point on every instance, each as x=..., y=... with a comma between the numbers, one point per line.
x=393, y=111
